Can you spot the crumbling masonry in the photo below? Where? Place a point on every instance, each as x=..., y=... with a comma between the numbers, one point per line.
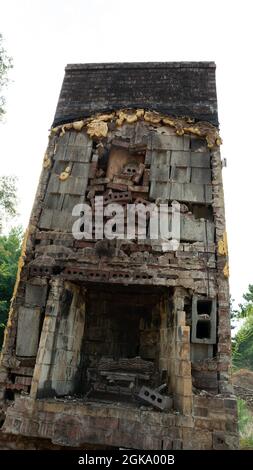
x=120, y=343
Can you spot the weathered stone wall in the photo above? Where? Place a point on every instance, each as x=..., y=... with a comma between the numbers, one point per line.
x=56, y=270
x=76, y=424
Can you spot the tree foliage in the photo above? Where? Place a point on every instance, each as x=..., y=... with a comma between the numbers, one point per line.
x=8, y=197
x=10, y=246
x=5, y=65
x=246, y=308
x=242, y=344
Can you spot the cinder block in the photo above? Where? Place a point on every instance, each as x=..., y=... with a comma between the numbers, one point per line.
x=203, y=320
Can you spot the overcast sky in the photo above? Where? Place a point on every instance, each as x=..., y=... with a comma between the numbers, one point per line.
x=43, y=36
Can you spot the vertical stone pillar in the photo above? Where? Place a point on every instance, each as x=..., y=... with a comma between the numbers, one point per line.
x=48, y=336
x=182, y=362
x=223, y=306
x=164, y=343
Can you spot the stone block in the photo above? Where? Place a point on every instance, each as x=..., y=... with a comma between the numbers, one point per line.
x=184, y=386
x=167, y=142
x=177, y=444
x=196, y=230
x=225, y=441
x=180, y=317
x=184, y=368
x=205, y=380
x=180, y=159
x=212, y=423
x=195, y=440
x=201, y=351
x=185, y=404
x=230, y=404
x=183, y=334
x=183, y=351
x=166, y=443
x=209, y=194
x=176, y=191
x=151, y=443
x=180, y=174
x=201, y=175
x=28, y=331
x=200, y=411
x=200, y=159
x=159, y=174
x=183, y=421
x=35, y=295
x=192, y=192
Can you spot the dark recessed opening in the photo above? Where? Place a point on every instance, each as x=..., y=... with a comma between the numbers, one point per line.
x=9, y=395
x=57, y=270
x=103, y=159
x=204, y=307
x=120, y=342
x=201, y=211
x=203, y=329
x=12, y=378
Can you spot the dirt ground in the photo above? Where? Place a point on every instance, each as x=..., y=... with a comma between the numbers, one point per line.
x=242, y=380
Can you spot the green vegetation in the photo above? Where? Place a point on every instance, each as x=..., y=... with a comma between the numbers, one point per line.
x=245, y=418
x=10, y=246
x=8, y=198
x=5, y=65
x=242, y=344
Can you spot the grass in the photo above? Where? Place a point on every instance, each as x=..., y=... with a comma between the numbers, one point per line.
x=245, y=417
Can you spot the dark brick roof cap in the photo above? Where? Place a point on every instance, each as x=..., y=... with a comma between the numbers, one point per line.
x=176, y=88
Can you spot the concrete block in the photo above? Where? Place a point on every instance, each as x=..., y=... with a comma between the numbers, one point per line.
x=155, y=398
x=203, y=320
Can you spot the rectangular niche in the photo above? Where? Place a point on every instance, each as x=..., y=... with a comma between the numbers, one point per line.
x=121, y=343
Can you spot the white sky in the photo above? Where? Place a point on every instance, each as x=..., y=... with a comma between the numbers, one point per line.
x=43, y=36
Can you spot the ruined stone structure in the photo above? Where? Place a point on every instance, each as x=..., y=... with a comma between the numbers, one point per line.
x=124, y=343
